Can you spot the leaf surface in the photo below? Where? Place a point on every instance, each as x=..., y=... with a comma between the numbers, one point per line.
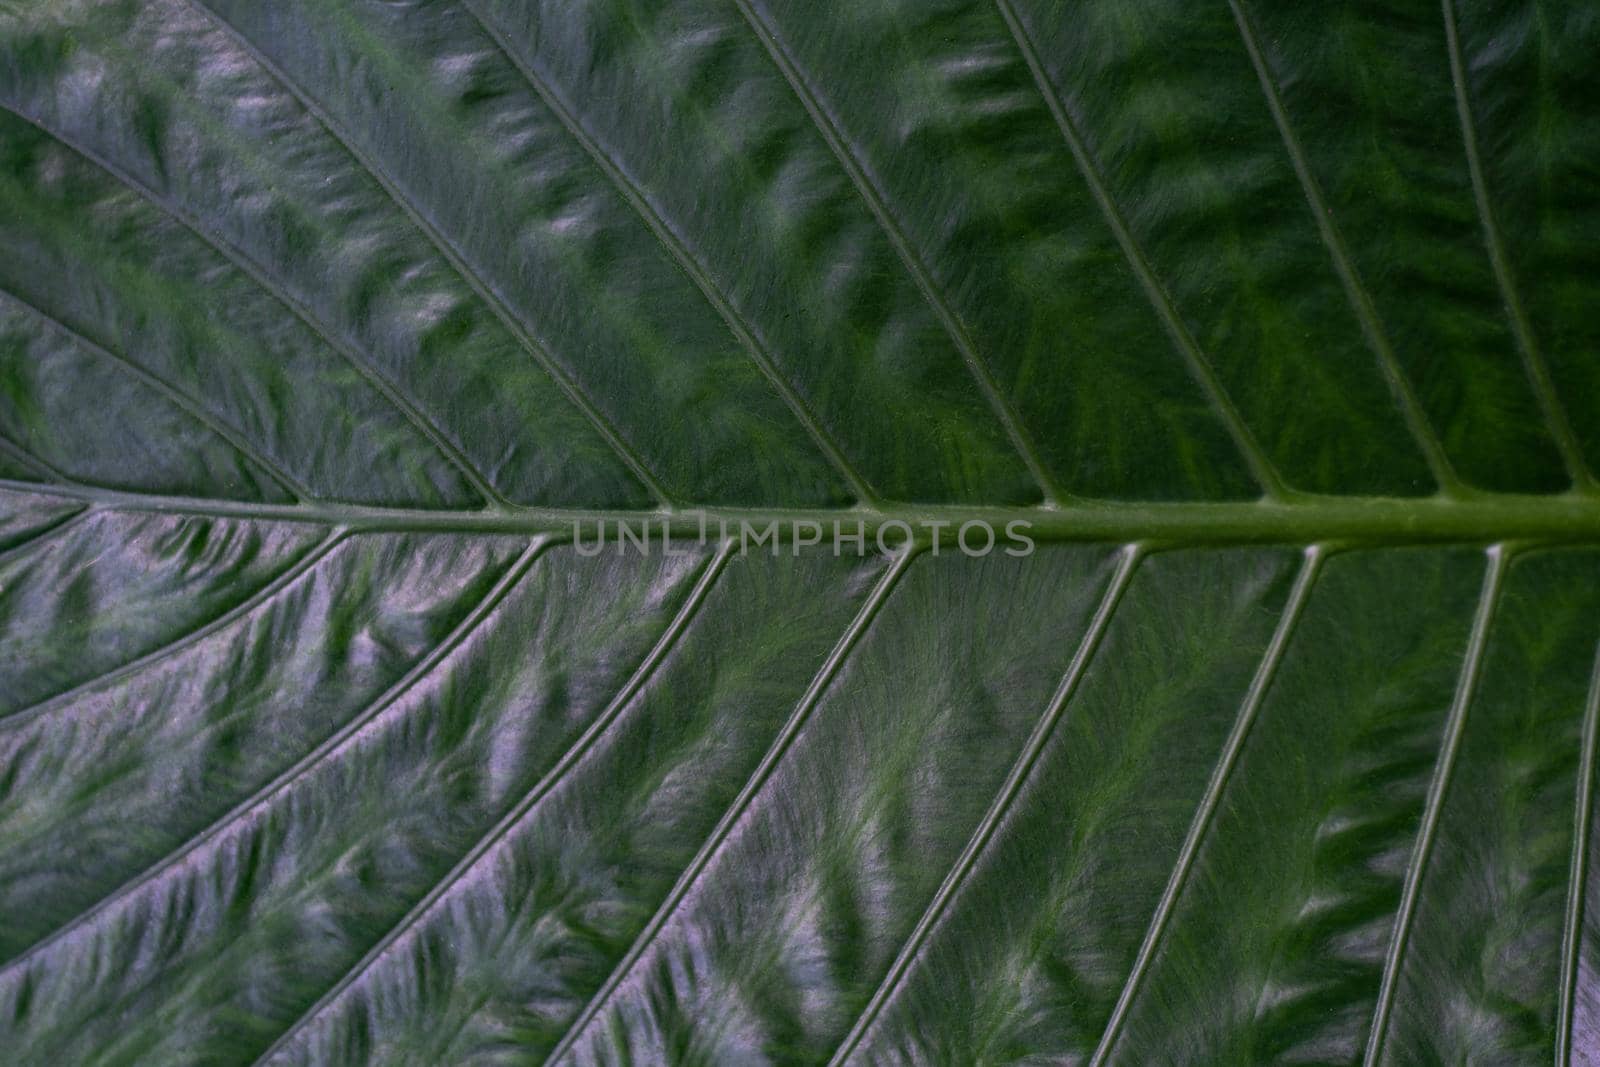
x=341, y=343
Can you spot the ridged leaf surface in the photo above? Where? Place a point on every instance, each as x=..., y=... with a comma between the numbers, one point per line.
x=342, y=340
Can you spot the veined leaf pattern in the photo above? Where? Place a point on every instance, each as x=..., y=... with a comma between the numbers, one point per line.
x=336, y=336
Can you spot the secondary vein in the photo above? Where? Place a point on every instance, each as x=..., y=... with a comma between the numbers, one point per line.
x=537, y=350
x=1416, y=869
x=1411, y=409
x=741, y=804
x=519, y=811
x=1021, y=770
x=1533, y=363
x=175, y=396
x=1578, y=875
x=251, y=806
x=737, y=324
x=1211, y=799
x=362, y=365
x=290, y=575
x=1200, y=368
x=953, y=326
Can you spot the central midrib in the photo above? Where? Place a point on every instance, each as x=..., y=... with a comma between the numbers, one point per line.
x=1567, y=517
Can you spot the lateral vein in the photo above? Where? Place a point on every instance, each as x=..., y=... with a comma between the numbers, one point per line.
x=1578, y=875
x=743, y=331
x=1533, y=362
x=736, y=810
x=251, y=806
x=529, y=801
x=179, y=399
x=291, y=574
x=1299, y=595
x=1200, y=368
x=953, y=326
x=1366, y=313
x=1416, y=869
x=513, y=323
x=1014, y=782
x=31, y=461
x=247, y=266
x=45, y=536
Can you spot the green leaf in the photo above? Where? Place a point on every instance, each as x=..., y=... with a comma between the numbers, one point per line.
x=342, y=342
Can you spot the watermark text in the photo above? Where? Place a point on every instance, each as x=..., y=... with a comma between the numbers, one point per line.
x=842, y=537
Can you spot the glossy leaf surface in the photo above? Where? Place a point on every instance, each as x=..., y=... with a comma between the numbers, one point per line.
x=341, y=341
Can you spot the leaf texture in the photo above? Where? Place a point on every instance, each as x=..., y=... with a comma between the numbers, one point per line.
x=342, y=342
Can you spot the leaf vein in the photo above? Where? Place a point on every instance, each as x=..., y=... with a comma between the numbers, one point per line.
x=179, y=399
x=34, y=463
x=247, y=266
x=1366, y=313
x=953, y=326
x=741, y=804
x=314, y=555
x=44, y=536
x=1568, y=518
x=1199, y=366
x=1533, y=362
x=1450, y=744
x=251, y=806
x=1189, y=853
x=1014, y=782
x=524, y=805
x=1578, y=876
x=447, y=248
x=737, y=324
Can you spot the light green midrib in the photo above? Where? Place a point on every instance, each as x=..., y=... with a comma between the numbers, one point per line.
x=1563, y=518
